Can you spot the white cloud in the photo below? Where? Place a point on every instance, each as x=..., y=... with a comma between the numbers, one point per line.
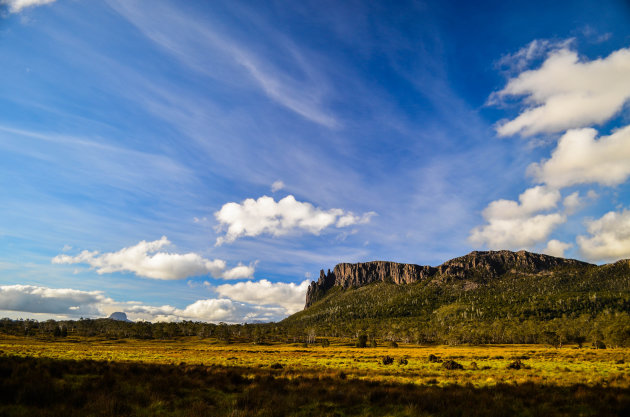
x=536, y=49
x=609, y=237
x=277, y=186
x=557, y=248
x=69, y=303
x=290, y=296
x=515, y=225
x=16, y=6
x=63, y=301
x=266, y=216
x=572, y=202
x=144, y=260
x=580, y=158
x=566, y=93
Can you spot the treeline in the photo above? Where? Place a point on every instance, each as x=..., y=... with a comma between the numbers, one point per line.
x=604, y=330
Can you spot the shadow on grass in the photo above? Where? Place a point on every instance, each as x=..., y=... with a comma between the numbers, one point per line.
x=48, y=387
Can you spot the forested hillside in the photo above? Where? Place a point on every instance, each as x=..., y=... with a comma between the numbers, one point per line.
x=548, y=301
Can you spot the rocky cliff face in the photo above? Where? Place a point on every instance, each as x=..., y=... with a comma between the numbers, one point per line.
x=477, y=266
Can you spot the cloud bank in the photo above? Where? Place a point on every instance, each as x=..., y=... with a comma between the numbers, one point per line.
x=146, y=260
x=266, y=216
x=63, y=301
x=70, y=303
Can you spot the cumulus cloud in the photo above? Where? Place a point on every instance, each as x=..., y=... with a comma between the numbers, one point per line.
x=146, y=260
x=557, y=248
x=266, y=216
x=16, y=6
x=62, y=301
x=609, y=237
x=566, y=93
x=290, y=296
x=581, y=158
x=277, y=186
x=517, y=225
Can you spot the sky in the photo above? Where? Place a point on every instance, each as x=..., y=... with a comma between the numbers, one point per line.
x=204, y=160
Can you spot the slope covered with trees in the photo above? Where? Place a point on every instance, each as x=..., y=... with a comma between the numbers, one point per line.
x=483, y=297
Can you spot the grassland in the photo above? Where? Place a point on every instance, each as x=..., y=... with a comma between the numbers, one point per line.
x=190, y=376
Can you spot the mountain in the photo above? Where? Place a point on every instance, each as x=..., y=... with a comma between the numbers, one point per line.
x=473, y=268
x=482, y=297
x=119, y=316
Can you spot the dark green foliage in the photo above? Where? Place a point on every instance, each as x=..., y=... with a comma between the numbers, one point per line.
x=517, y=364
x=362, y=341
x=47, y=388
x=434, y=359
x=403, y=361
x=563, y=305
x=387, y=360
x=451, y=365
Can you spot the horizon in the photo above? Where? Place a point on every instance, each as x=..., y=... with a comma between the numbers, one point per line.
x=205, y=161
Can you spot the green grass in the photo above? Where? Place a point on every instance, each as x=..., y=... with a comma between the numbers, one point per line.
x=195, y=377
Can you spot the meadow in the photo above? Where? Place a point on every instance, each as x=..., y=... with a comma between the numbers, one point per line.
x=192, y=376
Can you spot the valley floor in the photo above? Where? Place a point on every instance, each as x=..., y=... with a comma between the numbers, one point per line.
x=193, y=377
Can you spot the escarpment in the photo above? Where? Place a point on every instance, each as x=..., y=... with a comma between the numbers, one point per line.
x=477, y=267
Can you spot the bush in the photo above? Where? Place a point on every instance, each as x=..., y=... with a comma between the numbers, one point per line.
x=362, y=341
x=517, y=364
x=452, y=365
x=392, y=344
x=403, y=361
x=434, y=359
x=388, y=360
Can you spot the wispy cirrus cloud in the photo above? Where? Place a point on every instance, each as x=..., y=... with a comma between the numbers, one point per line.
x=191, y=41
x=266, y=216
x=146, y=259
x=16, y=6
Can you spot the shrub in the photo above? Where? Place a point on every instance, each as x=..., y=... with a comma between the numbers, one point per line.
x=362, y=341
x=403, y=361
x=517, y=364
x=388, y=360
x=434, y=359
x=392, y=344
x=451, y=365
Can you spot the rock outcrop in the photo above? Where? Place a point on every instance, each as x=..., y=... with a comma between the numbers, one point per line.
x=119, y=316
x=476, y=267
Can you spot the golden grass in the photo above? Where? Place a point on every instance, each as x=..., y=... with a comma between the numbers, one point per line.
x=548, y=366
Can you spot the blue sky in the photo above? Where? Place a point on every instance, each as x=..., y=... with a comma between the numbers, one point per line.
x=204, y=160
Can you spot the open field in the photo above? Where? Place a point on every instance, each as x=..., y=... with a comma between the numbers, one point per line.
x=211, y=378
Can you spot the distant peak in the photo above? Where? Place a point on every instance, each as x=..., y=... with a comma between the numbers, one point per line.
x=119, y=316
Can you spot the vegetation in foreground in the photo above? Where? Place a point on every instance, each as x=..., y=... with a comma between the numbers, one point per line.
x=192, y=377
